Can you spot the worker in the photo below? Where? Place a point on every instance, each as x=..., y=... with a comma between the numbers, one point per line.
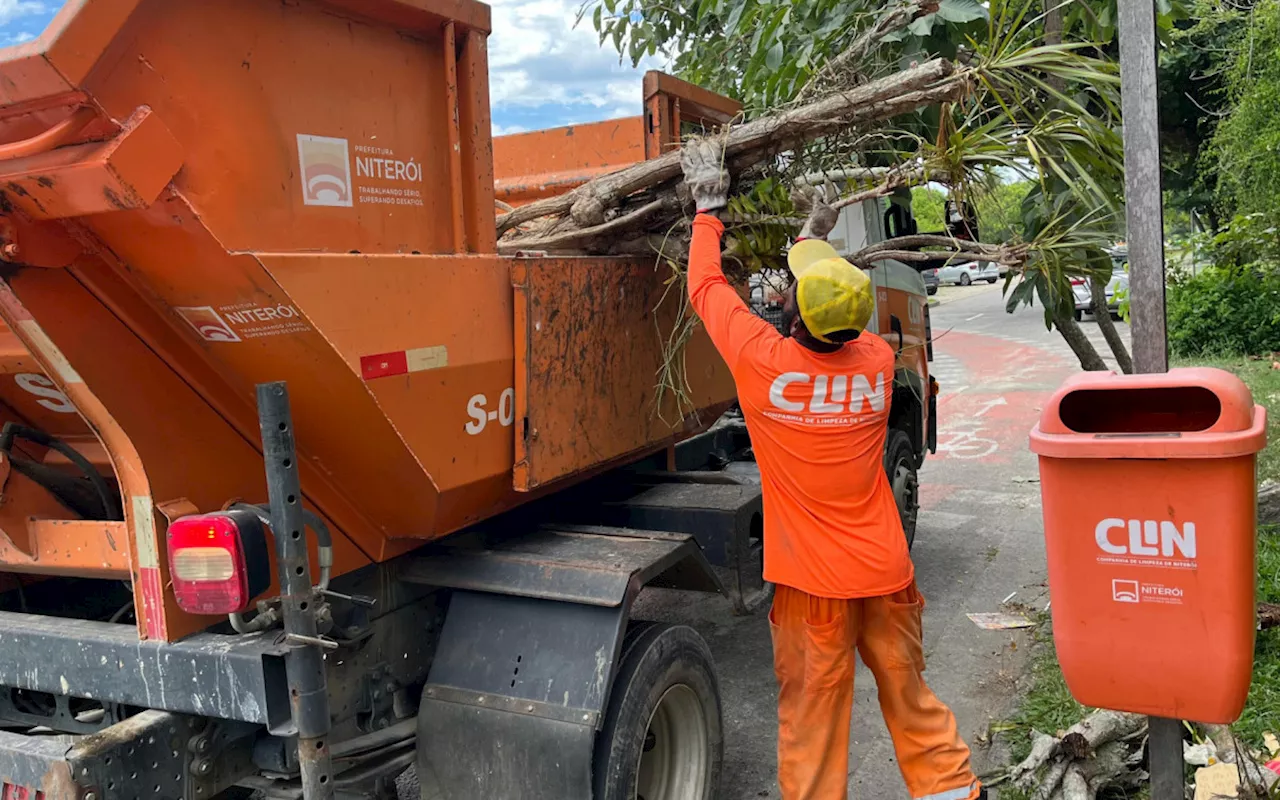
x=816, y=403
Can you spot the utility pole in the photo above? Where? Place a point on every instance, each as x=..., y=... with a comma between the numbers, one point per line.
x=1144, y=214
x=1144, y=206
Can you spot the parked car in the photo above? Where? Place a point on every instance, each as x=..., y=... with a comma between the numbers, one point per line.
x=1119, y=282
x=931, y=281
x=967, y=272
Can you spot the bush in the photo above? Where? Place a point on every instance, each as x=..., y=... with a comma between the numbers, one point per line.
x=1225, y=310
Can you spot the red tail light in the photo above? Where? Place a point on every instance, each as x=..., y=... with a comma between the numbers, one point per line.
x=1077, y=281
x=218, y=562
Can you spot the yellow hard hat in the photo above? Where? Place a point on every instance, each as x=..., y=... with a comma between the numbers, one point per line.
x=832, y=294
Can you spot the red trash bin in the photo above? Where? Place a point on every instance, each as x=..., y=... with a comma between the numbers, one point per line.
x=1149, y=492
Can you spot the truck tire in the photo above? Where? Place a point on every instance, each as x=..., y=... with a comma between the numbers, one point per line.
x=663, y=735
x=900, y=467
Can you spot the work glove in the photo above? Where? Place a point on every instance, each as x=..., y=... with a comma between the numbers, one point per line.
x=703, y=162
x=820, y=216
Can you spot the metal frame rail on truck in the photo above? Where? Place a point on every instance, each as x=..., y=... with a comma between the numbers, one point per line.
x=303, y=485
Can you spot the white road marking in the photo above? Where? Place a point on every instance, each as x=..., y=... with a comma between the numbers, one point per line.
x=990, y=404
x=975, y=316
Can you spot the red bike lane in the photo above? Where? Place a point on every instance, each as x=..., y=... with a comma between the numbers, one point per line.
x=985, y=418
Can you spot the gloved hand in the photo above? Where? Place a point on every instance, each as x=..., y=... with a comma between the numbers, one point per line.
x=703, y=162
x=821, y=216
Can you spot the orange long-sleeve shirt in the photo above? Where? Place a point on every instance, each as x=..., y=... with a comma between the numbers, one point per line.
x=818, y=423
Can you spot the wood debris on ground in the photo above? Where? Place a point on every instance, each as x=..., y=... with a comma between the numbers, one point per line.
x=1105, y=754
x=1103, y=750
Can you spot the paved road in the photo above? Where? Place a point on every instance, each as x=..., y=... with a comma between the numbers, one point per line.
x=979, y=540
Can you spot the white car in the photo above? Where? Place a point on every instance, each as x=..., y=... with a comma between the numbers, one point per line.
x=1084, y=300
x=968, y=272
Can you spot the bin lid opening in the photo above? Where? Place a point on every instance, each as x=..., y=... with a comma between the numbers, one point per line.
x=1149, y=410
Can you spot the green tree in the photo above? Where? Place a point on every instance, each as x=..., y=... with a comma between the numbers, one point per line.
x=1194, y=98
x=927, y=207
x=1044, y=107
x=1246, y=144
x=762, y=52
x=1000, y=210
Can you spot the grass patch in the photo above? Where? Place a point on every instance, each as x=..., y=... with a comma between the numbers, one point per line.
x=1262, y=711
x=1048, y=706
x=1264, y=382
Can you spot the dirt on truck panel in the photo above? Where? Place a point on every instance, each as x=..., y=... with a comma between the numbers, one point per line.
x=309, y=493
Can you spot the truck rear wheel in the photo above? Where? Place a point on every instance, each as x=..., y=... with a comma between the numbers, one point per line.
x=900, y=466
x=663, y=737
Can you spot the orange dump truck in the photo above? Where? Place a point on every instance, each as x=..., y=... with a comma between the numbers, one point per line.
x=305, y=490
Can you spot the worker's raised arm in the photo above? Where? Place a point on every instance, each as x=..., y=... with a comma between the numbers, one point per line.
x=732, y=327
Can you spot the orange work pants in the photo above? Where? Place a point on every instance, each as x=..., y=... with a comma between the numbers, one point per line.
x=814, y=639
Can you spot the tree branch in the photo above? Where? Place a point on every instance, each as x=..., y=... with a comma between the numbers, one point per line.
x=906, y=249
x=925, y=84
x=575, y=238
x=894, y=21
x=884, y=189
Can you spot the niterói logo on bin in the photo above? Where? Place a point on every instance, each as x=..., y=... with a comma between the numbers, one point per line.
x=1151, y=543
x=325, y=170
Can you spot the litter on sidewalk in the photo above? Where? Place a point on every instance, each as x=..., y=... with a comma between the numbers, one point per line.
x=1000, y=621
x=1218, y=781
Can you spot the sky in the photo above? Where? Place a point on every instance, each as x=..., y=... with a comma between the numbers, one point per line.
x=543, y=71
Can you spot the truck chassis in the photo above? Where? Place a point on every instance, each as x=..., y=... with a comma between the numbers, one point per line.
x=487, y=662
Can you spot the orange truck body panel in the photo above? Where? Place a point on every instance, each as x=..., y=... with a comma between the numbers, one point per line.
x=199, y=197
x=531, y=166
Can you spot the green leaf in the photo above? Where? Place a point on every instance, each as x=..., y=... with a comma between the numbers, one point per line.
x=961, y=10
x=1021, y=295
x=922, y=26
x=774, y=59
x=731, y=25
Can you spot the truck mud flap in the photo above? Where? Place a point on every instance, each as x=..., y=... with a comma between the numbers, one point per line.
x=521, y=679
x=726, y=519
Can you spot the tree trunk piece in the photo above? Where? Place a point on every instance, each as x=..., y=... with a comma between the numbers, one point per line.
x=1268, y=616
x=1053, y=776
x=1075, y=786
x=1079, y=343
x=1102, y=315
x=1102, y=727
x=917, y=86
x=1043, y=748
